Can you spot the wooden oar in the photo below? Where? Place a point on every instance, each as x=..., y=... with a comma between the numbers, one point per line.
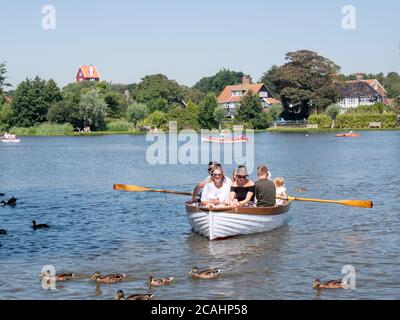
x=125, y=187
x=350, y=203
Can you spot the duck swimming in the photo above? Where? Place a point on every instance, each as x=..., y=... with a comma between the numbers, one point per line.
x=39, y=226
x=10, y=202
x=331, y=284
x=3, y=232
x=110, y=278
x=301, y=189
x=159, y=282
x=121, y=296
x=205, y=274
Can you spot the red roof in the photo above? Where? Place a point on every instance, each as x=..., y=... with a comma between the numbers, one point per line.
x=86, y=70
x=272, y=101
x=226, y=94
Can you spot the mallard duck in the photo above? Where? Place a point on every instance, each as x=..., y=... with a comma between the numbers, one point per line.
x=10, y=202
x=301, y=189
x=159, y=282
x=60, y=276
x=331, y=284
x=109, y=278
x=205, y=274
x=3, y=232
x=121, y=296
x=39, y=226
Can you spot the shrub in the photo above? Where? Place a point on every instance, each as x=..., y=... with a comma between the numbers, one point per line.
x=119, y=126
x=322, y=120
x=358, y=120
x=44, y=129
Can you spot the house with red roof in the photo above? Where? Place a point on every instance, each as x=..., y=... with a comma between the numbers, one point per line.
x=359, y=92
x=87, y=73
x=231, y=96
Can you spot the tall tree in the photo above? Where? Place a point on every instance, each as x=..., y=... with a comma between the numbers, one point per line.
x=29, y=105
x=93, y=110
x=219, y=81
x=206, y=112
x=137, y=112
x=52, y=92
x=3, y=83
x=306, y=83
x=250, y=107
x=270, y=78
x=158, y=92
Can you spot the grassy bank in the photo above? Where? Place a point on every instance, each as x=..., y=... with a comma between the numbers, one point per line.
x=334, y=130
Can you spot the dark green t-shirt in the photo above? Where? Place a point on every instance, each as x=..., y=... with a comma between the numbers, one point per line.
x=265, y=193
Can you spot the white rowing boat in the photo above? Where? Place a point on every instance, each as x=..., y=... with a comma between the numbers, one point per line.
x=10, y=140
x=225, y=222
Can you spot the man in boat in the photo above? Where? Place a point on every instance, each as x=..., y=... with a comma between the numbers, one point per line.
x=202, y=183
x=265, y=189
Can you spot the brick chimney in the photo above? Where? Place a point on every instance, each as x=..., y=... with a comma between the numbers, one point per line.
x=360, y=77
x=246, y=80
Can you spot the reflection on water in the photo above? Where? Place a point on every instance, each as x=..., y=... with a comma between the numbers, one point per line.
x=67, y=182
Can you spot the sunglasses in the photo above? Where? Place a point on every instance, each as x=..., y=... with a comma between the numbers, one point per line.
x=241, y=177
x=217, y=174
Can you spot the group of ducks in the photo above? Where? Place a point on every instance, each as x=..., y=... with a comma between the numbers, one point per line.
x=117, y=277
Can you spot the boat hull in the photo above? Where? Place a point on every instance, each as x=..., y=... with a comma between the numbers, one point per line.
x=10, y=141
x=228, y=222
x=347, y=135
x=217, y=140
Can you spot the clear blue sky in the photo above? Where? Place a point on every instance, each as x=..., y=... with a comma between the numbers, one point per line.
x=188, y=40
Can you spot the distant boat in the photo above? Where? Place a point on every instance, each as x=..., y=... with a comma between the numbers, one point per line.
x=9, y=138
x=347, y=135
x=222, y=139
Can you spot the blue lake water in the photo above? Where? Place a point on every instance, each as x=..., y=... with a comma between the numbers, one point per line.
x=67, y=182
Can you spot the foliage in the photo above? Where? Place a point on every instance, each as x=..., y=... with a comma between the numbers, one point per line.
x=158, y=92
x=219, y=81
x=93, y=110
x=5, y=115
x=332, y=111
x=116, y=104
x=305, y=83
x=44, y=129
x=219, y=114
x=157, y=119
x=323, y=121
x=377, y=108
x=270, y=79
x=3, y=83
x=186, y=118
x=250, y=107
x=137, y=112
x=119, y=126
x=30, y=103
x=360, y=120
x=52, y=92
x=192, y=94
x=206, y=112
x=274, y=111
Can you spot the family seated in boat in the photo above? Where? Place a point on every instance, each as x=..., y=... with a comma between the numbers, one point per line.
x=219, y=190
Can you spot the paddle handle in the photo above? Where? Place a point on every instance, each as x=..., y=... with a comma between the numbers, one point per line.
x=350, y=203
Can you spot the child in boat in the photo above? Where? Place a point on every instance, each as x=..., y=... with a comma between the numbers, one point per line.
x=265, y=189
x=216, y=192
x=280, y=190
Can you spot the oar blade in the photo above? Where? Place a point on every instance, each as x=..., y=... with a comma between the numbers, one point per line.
x=125, y=187
x=358, y=203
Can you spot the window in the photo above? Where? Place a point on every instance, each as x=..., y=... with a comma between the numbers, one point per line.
x=263, y=94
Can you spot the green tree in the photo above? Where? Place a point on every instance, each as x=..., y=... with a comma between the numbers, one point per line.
x=206, y=112
x=219, y=81
x=158, y=92
x=5, y=115
x=270, y=79
x=116, y=104
x=3, y=83
x=250, y=107
x=29, y=105
x=186, y=118
x=275, y=111
x=219, y=115
x=93, y=110
x=392, y=84
x=332, y=111
x=137, y=112
x=52, y=92
x=306, y=83
x=157, y=119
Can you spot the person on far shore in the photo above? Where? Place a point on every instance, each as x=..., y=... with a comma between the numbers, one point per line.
x=265, y=189
x=216, y=192
x=202, y=183
x=280, y=190
x=242, y=190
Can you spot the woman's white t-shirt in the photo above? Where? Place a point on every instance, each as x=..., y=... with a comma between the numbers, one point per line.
x=281, y=191
x=211, y=192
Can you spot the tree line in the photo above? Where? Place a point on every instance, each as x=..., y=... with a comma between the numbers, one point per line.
x=306, y=84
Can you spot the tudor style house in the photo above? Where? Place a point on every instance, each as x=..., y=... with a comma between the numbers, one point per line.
x=87, y=73
x=360, y=92
x=231, y=96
